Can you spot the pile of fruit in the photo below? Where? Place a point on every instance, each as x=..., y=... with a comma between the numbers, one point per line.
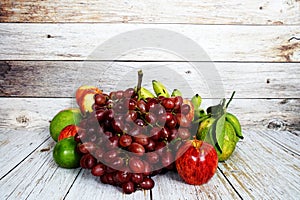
x=127, y=137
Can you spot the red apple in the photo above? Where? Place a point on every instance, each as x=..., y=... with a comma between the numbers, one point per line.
x=196, y=162
x=85, y=97
x=68, y=131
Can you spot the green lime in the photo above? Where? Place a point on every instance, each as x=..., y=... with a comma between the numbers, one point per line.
x=65, y=154
x=62, y=119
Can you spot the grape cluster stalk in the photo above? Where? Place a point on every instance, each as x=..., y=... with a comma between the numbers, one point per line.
x=126, y=140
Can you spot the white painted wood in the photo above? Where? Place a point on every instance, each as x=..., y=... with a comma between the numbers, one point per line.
x=260, y=168
x=78, y=41
x=252, y=113
x=24, y=143
x=171, y=186
x=37, y=177
x=166, y=11
x=287, y=140
x=88, y=186
x=61, y=79
x=257, y=169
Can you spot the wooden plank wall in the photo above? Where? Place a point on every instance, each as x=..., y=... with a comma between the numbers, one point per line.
x=254, y=46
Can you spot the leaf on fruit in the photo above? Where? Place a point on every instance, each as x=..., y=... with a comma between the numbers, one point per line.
x=217, y=133
x=220, y=130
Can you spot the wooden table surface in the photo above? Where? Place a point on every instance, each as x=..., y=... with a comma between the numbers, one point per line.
x=44, y=57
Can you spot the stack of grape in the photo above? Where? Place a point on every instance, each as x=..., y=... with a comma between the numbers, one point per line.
x=126, y=140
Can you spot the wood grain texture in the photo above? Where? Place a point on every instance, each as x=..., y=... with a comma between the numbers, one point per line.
x=97, y=42
x=38, y=176
x=61, y=79
x=167, y=11
x=258, y=167
x=216, y=188
x=250, y=171
x=254, y=114
x=88, y=186
x=25, y=142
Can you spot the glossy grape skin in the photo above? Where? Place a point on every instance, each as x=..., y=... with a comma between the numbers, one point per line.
x=87, y=161
x=141, y=106
x=141, y=139
x=155, y=133
x=152, y=157
x=136, y=165
x=137, y=149
x=128, y=187
x=129, y=92
x=147, y=183
x=123, y=176
x=140, y=130
x=87, y=147
x=137, y=178
x=125, y=140
x=109, y=156
x=167, y=158
x=100, y=99
x=98, y=170
x=177, y=104
x=119, y=94
x=150, y=146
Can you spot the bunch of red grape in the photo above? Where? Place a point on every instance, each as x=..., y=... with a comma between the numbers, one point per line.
x=127, y=140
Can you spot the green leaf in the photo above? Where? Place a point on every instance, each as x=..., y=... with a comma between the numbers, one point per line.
x=217, y=133
x=220, y=130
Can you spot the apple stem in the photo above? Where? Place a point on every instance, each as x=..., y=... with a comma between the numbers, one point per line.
x=140, y=78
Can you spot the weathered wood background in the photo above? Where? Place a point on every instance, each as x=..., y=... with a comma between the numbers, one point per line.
x=44, y=57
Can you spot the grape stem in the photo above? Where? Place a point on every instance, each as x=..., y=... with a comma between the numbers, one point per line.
x=140, y=78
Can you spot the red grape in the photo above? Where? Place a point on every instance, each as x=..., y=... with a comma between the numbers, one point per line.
x=109, y=156
x=168, y=103
x=87, y=161
x=136, y=165
x=98, y=170
x=184, y=133
x=147, y=183
x=128, y=187
x=152, y=157
x=141, y=105
x=150, y=146
x=125, y=140
x=178, y=100
x=100, y=99
x=123, y=176
x=136, y=148
x=155, y=133
x=129, y=92
x=141, y=139
x=137, y=178
x=119, y=94
x=87, y=147
x=150, y=118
